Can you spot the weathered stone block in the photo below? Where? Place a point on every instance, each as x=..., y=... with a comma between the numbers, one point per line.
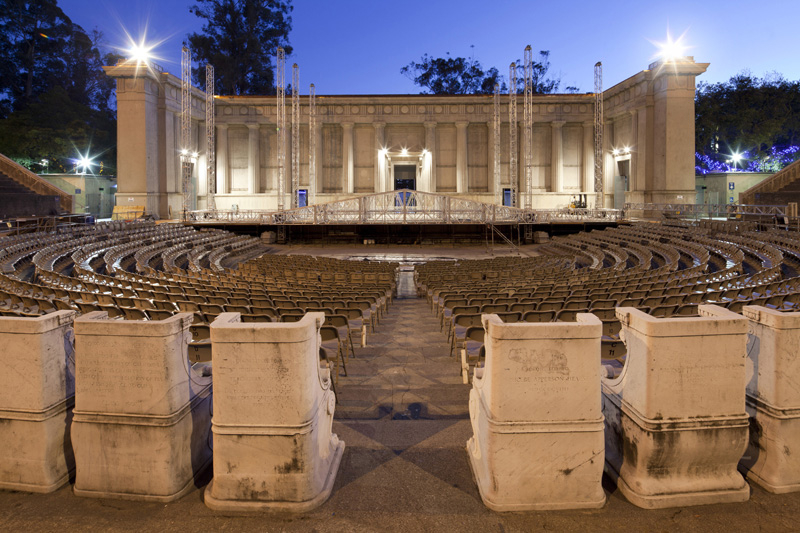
x=537, y=423
x=675, y=417
x=773, y=399
x=142, y=413
x=273, y=413
x=37, y=394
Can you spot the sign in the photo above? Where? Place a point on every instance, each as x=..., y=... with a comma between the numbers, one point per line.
x=731, y=185
x=730, y=199
x=77, y=191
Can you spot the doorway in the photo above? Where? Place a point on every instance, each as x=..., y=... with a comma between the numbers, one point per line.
x=405, y=177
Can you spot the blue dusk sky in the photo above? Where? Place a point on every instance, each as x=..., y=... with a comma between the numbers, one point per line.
x=359, y=46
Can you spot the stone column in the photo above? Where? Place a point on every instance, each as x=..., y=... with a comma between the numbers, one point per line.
x=557, y=159
x=588, y=157
x=347, y=156
x=379, y=159
x=632, y=185
x=253, y=160
x=222, y=159
x=462, y=179
x=430, y=145
x=490, y=157
x=318, y=155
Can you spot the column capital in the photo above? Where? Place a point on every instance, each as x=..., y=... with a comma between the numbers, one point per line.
x=253, y=126
x=558, y=123
x=379, y=125
x=222, y=126
x=347, y=125
x=462, y=124
x=430, y=124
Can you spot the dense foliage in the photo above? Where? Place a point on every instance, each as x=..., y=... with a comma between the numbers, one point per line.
x=758, y=118
x=55, y=100
x=458, y=75
x=240, y=38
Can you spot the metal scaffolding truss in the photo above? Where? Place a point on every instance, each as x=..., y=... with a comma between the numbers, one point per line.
x=498, y=189
x=527, y=139
x=211, y=161
x=405, y=207
x=186, y=131
x=513, y=150
x=598, y=133
x=281, y=124
x=295, y=135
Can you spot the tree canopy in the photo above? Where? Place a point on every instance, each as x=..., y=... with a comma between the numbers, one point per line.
x=756, y=117
x=55, y=100
x=458, y=75
x=241, y=38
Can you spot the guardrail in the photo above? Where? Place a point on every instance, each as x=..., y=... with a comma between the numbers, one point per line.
x=403, y=207
x=708, y=210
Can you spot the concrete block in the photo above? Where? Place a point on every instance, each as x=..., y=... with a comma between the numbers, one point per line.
x=536, y=418
x=676, y=425
x=142, y=421
x=273, y=412
x=37, y=395
x=773, y=399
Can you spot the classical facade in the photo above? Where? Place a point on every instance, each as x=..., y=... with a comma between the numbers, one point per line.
x=442, y=144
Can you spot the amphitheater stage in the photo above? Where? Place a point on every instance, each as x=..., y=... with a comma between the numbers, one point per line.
x=406, y=233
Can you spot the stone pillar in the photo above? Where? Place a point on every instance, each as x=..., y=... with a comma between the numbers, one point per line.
x=673, y=131
x=490, y=158
x=347, y=156
x=557, y=159
x=430, y=145
x=223, y=178
x=632, y=177
x=318, y=156
x=588, y=157
x=379, y=159
x=462, y=178
x=253, y=159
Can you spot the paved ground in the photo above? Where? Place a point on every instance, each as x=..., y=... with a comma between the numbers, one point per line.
x=403, y=415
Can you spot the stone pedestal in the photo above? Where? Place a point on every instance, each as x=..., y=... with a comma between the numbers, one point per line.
x=536, y=419
x=142, y=414
x=37, y=392
x=773, y=400
x=273, y=412
x=676, y=425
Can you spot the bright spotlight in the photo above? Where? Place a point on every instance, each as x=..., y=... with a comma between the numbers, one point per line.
x=615, y=152
x=670, y=50
x=383, y=151
x=404, y=151
x=626, y=150
x=424, y=151
x=140, y=53
x=84, y=164
x=735, y=158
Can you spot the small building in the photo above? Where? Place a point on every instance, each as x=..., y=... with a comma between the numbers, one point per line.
x=91, y=194
x=725, y=187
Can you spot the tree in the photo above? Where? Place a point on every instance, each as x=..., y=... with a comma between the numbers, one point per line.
x=457, y=75
x=759, y=117
x=55, y=99
x=241, y=38
x=33, y=35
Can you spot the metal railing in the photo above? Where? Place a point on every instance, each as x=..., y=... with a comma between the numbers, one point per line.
x=707, y=210
x=403, y=207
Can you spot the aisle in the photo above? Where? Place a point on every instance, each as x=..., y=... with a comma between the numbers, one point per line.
x=405, y=372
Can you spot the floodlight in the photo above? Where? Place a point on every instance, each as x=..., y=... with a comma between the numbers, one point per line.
x=615, y=151
x=670, y=51
x=404, y=151
x=140, y=53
